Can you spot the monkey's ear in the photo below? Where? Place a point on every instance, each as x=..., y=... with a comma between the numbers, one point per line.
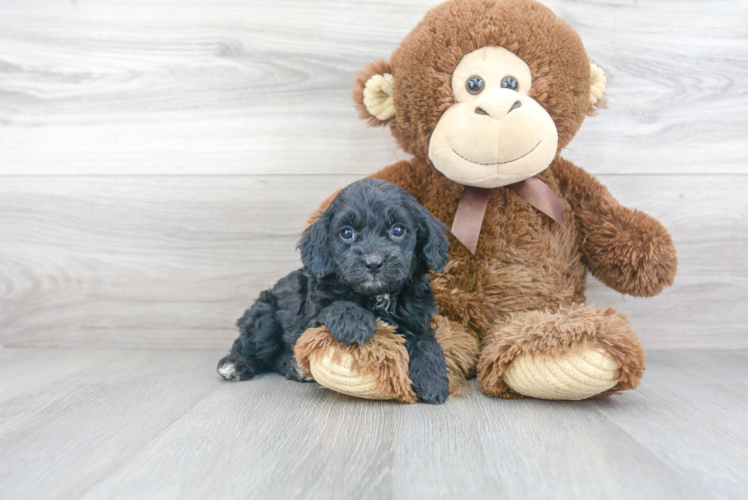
x=372, y=93
x=315, y=247
x=597, y=88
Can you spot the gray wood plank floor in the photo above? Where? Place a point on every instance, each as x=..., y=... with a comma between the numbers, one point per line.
x=78, y=423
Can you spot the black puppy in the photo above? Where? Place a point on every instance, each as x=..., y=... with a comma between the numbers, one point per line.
x=367, y=256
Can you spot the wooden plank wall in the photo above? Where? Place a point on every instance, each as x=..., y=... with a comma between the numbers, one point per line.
x=158, y=157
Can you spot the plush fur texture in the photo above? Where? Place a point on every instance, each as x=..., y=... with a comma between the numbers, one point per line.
x=384, y=355
x=461, y=351
x=526, y=265
x=362, y=76
x=367, y=256
x=425, y=60
x=556, y=333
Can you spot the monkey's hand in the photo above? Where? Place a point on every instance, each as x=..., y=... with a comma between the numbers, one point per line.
x=624, y=248
x=629, y=251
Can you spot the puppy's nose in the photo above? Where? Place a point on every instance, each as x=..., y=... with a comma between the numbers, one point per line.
x=373, y=263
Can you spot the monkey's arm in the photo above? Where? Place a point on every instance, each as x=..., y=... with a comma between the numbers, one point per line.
x=624, y=248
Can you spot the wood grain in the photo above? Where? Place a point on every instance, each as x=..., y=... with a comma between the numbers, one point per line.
x=158, y=158
x=173, y=261
x=157, y=161
x=715, y=388
x=160, y=424
x=96, y=418
x=252, y=87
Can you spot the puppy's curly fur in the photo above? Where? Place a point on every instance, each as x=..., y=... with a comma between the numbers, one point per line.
x=367, y=256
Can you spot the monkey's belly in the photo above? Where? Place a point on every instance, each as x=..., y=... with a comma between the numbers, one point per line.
x=477, y=293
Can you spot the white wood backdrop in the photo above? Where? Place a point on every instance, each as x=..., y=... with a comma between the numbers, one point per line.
x=158, y=157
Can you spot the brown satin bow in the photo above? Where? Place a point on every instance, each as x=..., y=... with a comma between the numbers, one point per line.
x=472, y=208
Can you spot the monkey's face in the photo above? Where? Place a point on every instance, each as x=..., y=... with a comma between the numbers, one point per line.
x=495, y=134
x=488, y=91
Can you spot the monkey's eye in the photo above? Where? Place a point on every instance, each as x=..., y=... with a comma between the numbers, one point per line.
x=509, y=82
x=397, y=231
x=348, y=234
x=475, y=85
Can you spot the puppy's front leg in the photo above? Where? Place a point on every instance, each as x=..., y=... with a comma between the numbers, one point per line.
x=348, y=323
x=428, y=370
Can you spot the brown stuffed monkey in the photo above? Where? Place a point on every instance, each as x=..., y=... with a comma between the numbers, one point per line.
x=485, y=94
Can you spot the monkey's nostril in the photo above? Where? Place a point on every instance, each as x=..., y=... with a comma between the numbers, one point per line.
x=480, y=111
x=516, y=105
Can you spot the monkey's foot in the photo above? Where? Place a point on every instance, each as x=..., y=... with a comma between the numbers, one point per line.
x=379, y=368
x=571, y=354
x=376, y=370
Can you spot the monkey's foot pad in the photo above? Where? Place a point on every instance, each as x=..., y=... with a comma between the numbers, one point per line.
x=572, y=376
x=376, y=370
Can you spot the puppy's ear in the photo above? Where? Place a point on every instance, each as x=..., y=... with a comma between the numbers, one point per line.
x=433, y=245
x=315, y=247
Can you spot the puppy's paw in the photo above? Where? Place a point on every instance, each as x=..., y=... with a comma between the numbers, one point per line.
x=355, y=333
x=298, y=374
x=348, y=323
x=430, y=388
x=234, y=369
x=287, y=366
x=428, y=372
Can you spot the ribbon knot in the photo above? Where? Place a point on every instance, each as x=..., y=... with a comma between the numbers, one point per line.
x=472, y=208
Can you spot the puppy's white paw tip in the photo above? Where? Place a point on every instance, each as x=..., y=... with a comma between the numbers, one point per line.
x=300, y=373
x=228, y=371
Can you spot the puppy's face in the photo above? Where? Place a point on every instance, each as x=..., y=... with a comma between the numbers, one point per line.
x=374, y=236
x=373, y=246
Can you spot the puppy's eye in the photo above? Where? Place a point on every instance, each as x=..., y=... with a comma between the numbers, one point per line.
x=475, y=85
x=348, y=234
x=509, y=82
x=397, y=231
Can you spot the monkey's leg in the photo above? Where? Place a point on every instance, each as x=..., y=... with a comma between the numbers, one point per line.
x=573, y=353
x=379, y=368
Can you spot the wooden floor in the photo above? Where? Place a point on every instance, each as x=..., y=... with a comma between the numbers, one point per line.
x=79, y=423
